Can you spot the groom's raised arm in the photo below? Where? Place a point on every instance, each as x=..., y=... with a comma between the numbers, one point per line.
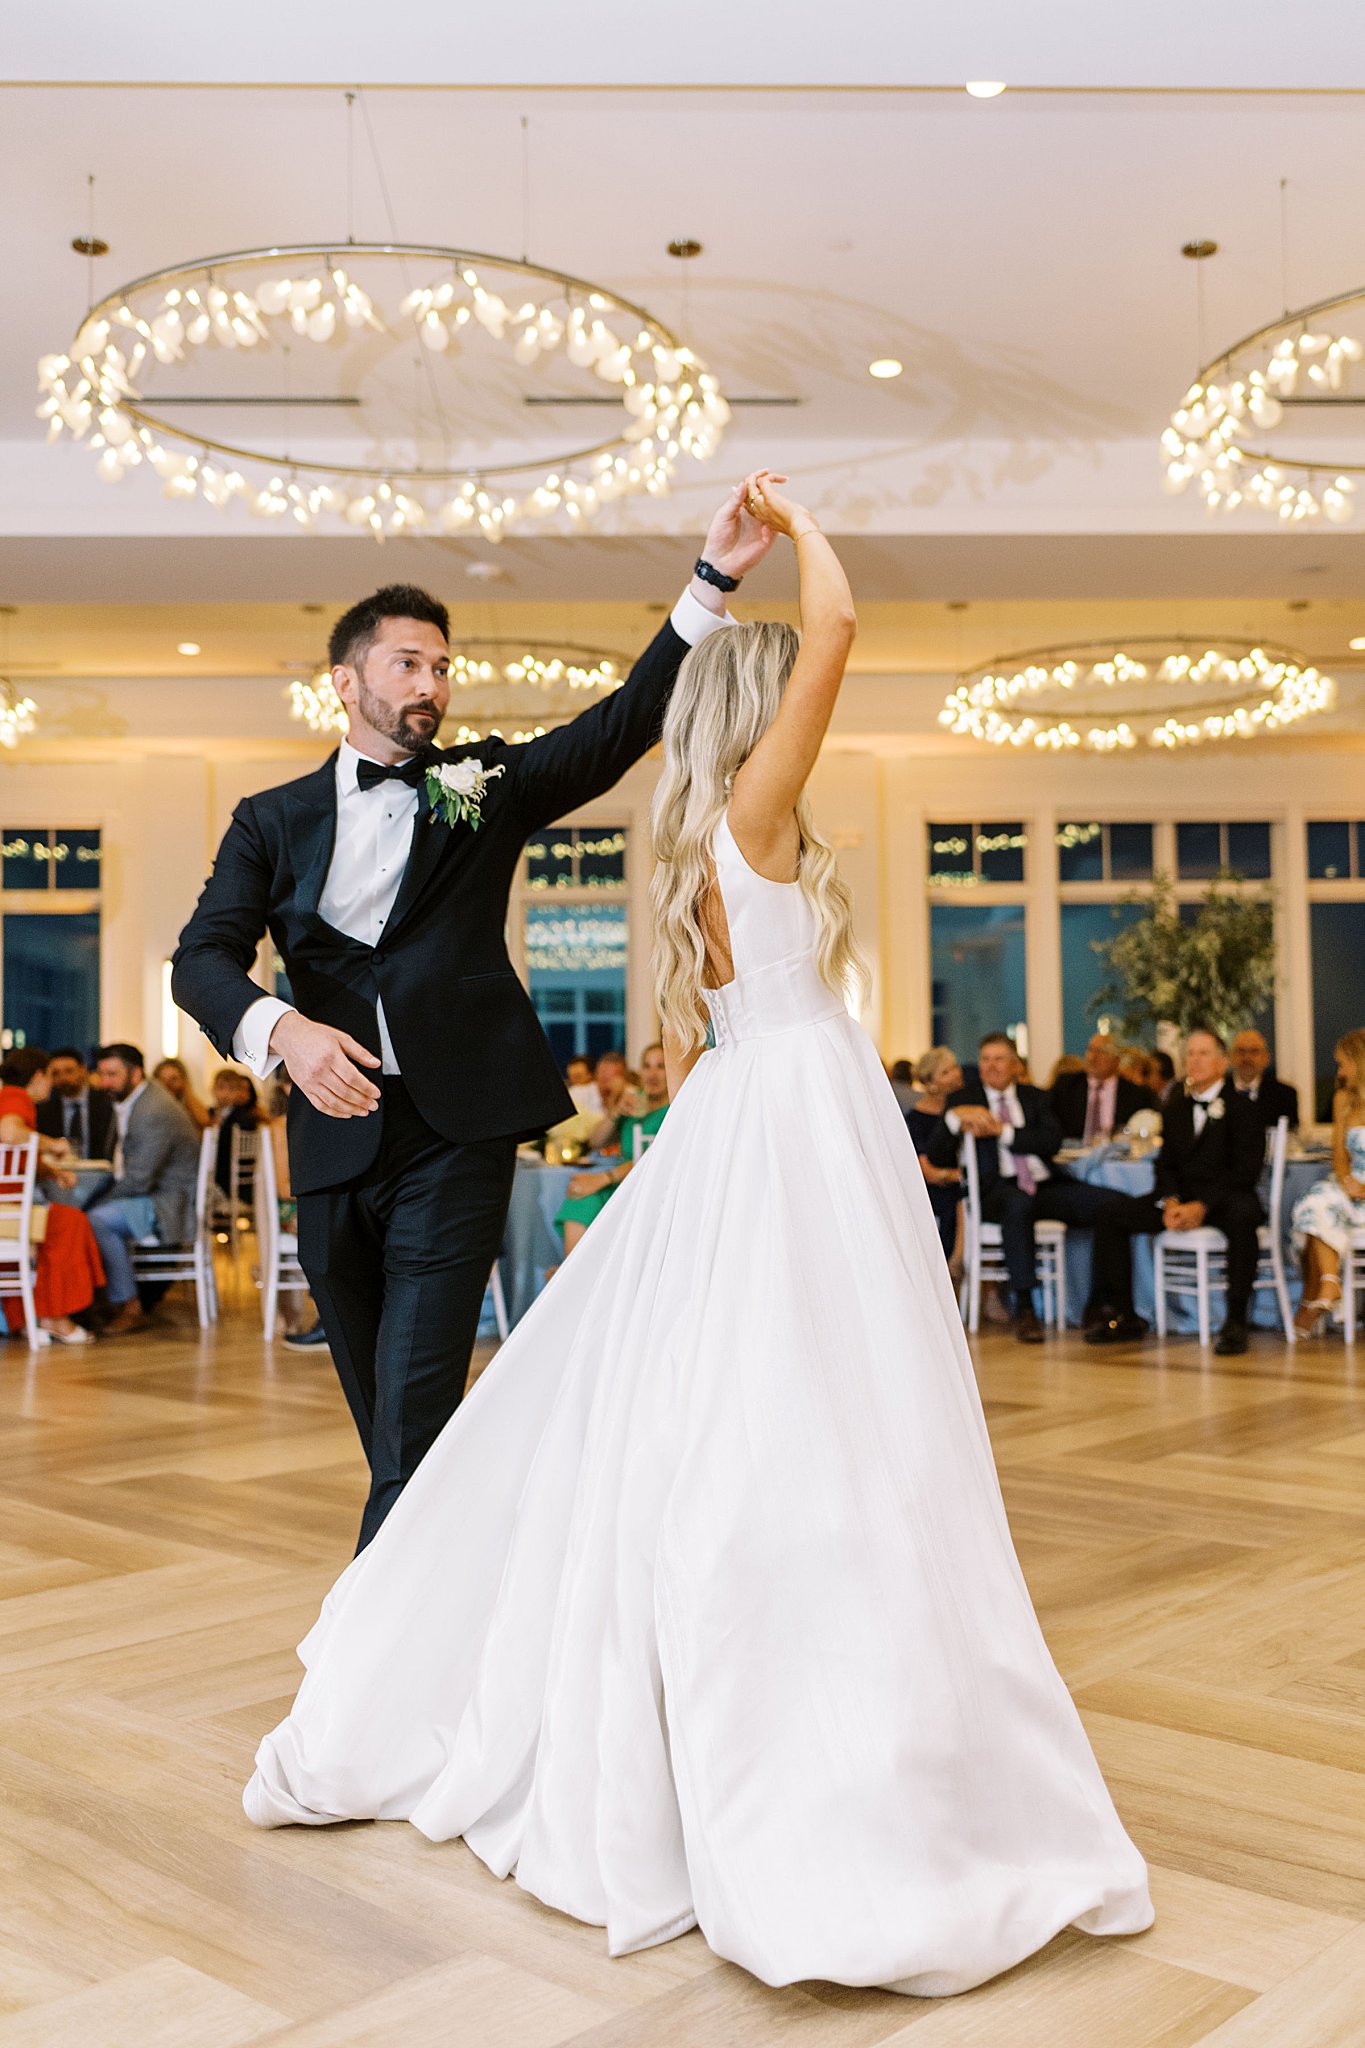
x=209, y=977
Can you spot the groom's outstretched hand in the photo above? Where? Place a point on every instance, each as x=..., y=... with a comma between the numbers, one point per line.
x=326, y=1064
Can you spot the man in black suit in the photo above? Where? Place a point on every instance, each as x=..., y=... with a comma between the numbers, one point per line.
x=1100, y=1101
x=83, y=1115
x=416, y=1054
x=1017, y=1138
x=1263, y=1091
x=1212, y=1152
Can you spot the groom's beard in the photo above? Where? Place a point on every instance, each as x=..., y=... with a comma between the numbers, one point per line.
x=406, y=728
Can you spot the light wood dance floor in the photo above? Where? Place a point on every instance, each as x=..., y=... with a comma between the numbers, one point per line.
x=174, y=1510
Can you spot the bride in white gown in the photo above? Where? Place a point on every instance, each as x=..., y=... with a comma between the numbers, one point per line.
x=703, y=1609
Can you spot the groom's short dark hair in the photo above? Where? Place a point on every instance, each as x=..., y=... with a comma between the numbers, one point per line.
x=353, y=634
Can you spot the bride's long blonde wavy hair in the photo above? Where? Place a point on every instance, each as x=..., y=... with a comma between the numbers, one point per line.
x=726, y=696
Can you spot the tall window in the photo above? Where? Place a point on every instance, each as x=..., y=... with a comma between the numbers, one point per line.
x=1336, y=933
x=1095, y=858
x=1204, y=851
x=977, y=949
x=965, y=856
x=50, y=936
x=575, y=936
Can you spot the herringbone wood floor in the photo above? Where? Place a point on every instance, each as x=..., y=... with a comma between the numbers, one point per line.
x=1194, y=1536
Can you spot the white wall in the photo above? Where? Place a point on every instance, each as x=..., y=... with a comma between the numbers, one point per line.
x=158, y=766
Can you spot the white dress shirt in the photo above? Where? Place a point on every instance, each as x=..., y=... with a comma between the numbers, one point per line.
x=1201, y=1103
x=373, y=836
x=1100, y=1106
x=122, y=1111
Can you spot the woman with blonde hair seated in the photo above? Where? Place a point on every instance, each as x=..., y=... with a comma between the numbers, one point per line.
x=1325, y=1217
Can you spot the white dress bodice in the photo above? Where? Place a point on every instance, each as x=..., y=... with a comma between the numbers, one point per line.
x=773, y=938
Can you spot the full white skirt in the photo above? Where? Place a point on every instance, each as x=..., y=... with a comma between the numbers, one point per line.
x=703, y=1609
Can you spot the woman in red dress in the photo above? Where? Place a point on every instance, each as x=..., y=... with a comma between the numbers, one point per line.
x=69, y=1263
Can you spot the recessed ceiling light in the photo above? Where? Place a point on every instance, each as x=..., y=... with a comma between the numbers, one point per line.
x=885, y=366
x=188, y=647
x=1357, y=645
x=985, y=88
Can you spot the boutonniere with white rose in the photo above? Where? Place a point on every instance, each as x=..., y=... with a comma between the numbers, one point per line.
x=455, y=791
x=1214, y=1110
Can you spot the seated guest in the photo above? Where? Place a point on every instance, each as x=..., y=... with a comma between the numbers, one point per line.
x=299, y=1333
x=901, y=1075
x=1068, y=1063
x=1135, y=1066
x=1163, y=1078
x=1212, y=1151
x=1097, y=1101
x=1017, y=1138
x=68, y=1268
x=174, y=1077
x=1326, y=1215
x=83, y=1115
x=612, y=1079
x=642, y=1115
x=1269, y=1096
x=156, y=1166
x=939, y=1076
x=236, y=1106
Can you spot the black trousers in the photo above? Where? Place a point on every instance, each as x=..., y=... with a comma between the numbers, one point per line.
x=1056, y=1200
x=398, y=1260
x=1237, y=1213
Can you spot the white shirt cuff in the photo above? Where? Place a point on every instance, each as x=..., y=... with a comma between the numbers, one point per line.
x=1007, y=1136
x=691, y=620
x=953, y=1121
x=251, y=1039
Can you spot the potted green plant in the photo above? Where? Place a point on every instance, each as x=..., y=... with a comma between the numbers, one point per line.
x=1217, y=968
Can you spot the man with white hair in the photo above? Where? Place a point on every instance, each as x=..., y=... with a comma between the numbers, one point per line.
x=1093, y=1104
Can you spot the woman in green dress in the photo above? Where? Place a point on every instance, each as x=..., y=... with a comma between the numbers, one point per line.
x=589, y=1193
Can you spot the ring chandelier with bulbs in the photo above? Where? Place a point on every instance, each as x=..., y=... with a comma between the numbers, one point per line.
x=256, y=299
x=480, y=664
x=18, y=714
x=1107, y=699
x=1240, y=398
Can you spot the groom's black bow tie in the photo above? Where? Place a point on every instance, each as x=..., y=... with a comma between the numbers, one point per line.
x=369, y=774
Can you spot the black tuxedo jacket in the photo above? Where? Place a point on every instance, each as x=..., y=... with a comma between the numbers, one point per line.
x=102, y=1132
x=473, y=1056
x=1040, y=1134
x=1227, y=1155
x=1070, y=1098
x=1274, y=1098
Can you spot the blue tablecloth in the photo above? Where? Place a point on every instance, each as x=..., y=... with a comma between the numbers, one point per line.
x=1107, y=1167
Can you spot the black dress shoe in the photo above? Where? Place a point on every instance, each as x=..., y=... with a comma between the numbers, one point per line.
x=1232, y=1340
x=307, y=1340
x=1125, y=1329
x=1028, y=1329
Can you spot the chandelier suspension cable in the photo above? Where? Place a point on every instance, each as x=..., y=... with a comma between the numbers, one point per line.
x=424, y=355
x=90, y=239
x=350, y=167
x=1284, y=250
x=525, y=188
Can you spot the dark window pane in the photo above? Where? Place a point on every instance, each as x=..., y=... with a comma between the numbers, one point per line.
x=1337, y=931
x=978, y=972
x=1329, y=850
x=1249, y=851
x=950, y=854
x=51, y=968
x=1130, y=853
x=1080, y=853
x=1083, y=972
x=601, y=856
x=1360, y=849
x=1000, y=852
x=77, y=859
x=1198, y=852
x=549, y=859
x=26, y=864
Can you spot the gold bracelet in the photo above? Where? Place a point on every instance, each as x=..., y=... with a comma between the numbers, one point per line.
x=806, y=532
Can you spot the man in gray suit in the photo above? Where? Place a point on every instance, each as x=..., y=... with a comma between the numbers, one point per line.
x=156, y=1166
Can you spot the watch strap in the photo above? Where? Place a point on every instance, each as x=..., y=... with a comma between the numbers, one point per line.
x=709, y=574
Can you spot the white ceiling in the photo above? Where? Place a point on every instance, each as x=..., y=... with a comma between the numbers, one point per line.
x=1021, y=256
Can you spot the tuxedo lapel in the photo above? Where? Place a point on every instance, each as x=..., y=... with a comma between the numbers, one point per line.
x=311, y=830
x=430, y=840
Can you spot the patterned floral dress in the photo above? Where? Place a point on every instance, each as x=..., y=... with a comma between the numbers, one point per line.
x=1327, y=1211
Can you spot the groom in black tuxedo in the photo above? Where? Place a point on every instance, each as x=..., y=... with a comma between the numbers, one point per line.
x=416, y=1054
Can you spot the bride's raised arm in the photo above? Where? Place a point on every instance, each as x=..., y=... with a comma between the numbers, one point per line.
x=768, y=786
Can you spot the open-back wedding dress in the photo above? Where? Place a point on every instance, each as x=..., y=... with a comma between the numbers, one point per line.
x=703, y=1608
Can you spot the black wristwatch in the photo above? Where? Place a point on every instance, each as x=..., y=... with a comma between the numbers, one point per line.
x=717, y=576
